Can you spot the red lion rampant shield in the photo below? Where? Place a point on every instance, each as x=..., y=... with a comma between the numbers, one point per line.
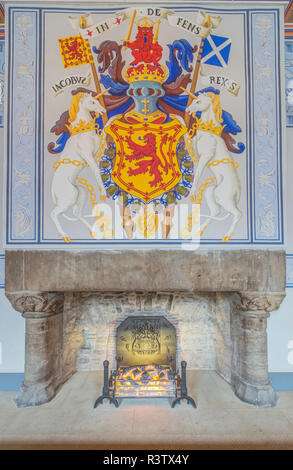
x=146, y=164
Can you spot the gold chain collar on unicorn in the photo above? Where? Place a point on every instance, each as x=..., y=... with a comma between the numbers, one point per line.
x=208, y=126
x=83, y=126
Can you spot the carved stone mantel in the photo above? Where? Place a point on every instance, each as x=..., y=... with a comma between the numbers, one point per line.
x=36, y=302
x=146, y=270
x=259, y=301
x=37, y=280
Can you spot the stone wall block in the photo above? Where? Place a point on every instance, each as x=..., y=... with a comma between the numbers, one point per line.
x=223, y=336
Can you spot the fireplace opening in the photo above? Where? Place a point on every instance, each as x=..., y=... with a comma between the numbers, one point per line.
x=146, y=363
x=146, y=358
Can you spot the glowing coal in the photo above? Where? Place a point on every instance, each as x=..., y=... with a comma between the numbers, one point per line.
x=145, y=381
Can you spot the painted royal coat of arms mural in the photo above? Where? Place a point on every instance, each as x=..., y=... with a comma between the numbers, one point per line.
x=146, y=137
x=145, y=125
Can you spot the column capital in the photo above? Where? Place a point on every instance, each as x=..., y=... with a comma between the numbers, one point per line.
x=39, y=315
x=39, y=303
x=258, y=302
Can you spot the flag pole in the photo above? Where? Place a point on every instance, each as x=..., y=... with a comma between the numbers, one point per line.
x=187, y=116
x=194, y=81
x=82, y=24
x=97, y=83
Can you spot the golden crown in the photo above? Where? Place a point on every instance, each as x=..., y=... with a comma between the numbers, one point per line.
x=208, y=126
x=145, y=22
x=146, y=72
x=83, y=126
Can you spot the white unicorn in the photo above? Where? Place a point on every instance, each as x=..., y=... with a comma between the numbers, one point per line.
x=80, y=151
x=212, y=151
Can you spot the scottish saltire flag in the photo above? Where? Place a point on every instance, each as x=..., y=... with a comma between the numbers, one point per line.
x=216, y=51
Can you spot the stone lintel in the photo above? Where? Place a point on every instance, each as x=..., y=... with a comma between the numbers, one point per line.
x=153, y=270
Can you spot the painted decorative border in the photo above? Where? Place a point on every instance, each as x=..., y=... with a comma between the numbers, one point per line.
x=267, y=126
x=11, y=381
x=281, y=381
x=289, y=270
x=266, y=221
x=289, y=75
x=2, y=63
x=21, y=125
x=2, y=271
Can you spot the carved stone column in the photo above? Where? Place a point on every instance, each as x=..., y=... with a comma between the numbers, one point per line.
x=43, y=342
x=249, y=351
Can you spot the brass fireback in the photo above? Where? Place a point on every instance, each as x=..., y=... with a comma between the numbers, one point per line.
x=146, y=340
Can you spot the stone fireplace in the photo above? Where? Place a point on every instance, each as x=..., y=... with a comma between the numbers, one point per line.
x=218, y=302
x=145, y=358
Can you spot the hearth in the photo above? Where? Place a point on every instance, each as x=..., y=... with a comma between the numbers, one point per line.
x=218, y=301
x=146, y=363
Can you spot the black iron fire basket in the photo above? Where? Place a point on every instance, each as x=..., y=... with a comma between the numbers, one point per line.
x=109, y=388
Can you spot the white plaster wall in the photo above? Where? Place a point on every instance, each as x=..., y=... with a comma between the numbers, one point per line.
x=11, y=337
x=280, y=323
x=280, y=334
x=11, y=322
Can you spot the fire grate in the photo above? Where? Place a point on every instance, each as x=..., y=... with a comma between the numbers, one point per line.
x=146, y=363
x=145, y=381
x=110, y=388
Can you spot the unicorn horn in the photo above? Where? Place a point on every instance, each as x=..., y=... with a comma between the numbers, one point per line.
x=189, y=93
x=101, y=94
